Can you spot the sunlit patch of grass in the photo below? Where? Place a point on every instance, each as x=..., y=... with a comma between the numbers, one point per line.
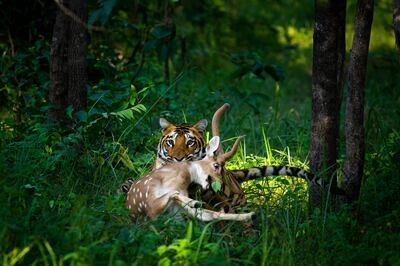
x=274, y=191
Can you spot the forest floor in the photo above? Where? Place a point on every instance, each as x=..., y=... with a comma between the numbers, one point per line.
x=60, y=206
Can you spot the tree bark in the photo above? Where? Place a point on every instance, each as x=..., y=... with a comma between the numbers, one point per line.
x=58, y=93
x=327, y=84
x=396, y=23
x=68, y=63
x=76, y=53
x=354, y=162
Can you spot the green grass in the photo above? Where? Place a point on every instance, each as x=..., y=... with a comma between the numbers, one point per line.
x=58, y=197
x=60, y=206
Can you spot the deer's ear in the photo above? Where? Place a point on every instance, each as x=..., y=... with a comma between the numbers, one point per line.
x=201, y=125
x=164, y=123
x=212, y=146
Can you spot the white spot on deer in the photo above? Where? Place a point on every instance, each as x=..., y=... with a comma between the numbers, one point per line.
x=129, y=207
x=140, y=194
x=145, y=182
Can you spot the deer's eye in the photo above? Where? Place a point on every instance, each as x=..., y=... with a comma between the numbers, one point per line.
x=217, y=166
x=170, y=142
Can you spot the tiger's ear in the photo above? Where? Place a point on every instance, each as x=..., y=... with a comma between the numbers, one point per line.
x=212, y=146
x=164, y=123
x=201, y=125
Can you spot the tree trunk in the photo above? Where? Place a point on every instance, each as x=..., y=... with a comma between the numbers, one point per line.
x=68, y=63
x=354, y=162
x=396, y=22
x=327, y=81
x=77, y=78
x=58, y=72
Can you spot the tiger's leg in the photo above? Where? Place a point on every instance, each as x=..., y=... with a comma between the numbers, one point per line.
x=124, y=188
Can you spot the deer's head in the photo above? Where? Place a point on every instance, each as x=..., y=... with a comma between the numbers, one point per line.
x=209, y=169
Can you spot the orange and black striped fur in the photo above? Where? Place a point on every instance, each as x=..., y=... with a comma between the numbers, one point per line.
x=186, y=143
x=182, y=142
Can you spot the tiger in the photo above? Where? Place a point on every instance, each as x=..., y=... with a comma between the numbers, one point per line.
x=179, y=142
x=185, y=142
x=182, y=142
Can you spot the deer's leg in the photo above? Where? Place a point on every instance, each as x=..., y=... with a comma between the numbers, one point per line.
x=207, y=215
x=158, y=205
x=181, y=199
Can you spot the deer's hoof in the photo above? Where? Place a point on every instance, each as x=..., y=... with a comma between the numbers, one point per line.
x=197, y=204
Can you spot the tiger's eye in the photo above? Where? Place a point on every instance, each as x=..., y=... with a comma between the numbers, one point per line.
x=190, y=142
x=170, y=143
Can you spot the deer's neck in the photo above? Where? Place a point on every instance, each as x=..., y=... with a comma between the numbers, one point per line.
x=197, y=174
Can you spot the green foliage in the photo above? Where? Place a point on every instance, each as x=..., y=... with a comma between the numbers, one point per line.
x=185, y=251
x=216, y=186
x=103, y=13
x=251, y=63
x=58, y=183
x=24, y=82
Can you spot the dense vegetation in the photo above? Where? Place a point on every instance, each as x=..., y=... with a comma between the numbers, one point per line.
x=58, y=183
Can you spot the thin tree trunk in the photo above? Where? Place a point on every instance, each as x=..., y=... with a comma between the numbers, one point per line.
x=77, y=76
x=396, y=22
x=68, y=63
x=354, y=162
x=327, y=81
x=58, y=72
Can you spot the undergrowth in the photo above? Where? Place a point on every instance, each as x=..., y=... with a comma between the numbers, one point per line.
x=59, y=204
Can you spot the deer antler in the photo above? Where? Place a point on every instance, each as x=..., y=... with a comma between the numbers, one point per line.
x=214, y=125
x=229, y=154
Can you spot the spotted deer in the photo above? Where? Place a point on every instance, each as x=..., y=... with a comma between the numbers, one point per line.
x=151, y=194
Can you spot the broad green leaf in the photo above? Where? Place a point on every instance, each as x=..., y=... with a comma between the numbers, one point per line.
x=140, y=108
x=216, y=186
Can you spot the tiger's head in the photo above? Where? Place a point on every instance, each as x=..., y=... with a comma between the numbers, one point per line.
x=181, y=142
